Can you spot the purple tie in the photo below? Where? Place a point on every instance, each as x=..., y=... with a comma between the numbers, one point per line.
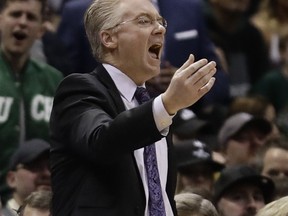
x=155, y=203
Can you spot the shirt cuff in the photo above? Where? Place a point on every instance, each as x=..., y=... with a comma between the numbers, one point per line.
x=162, y=118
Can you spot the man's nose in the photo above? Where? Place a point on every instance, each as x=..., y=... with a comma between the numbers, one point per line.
x=23, y=19
x=252, y=204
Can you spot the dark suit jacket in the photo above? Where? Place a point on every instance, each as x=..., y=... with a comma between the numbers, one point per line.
x=187, y=34
x=94, y=171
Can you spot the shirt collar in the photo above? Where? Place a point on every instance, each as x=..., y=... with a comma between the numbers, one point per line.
x=124, y=84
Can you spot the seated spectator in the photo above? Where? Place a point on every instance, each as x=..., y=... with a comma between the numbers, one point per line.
x=189, y=204
x=37, y=204
x=241, y=191
x=272, y=161
x=196, y=168
x=278, y=207
x=28, y=172
x=240, y=137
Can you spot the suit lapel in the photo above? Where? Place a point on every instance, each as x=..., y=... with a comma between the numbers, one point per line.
x=104, y=77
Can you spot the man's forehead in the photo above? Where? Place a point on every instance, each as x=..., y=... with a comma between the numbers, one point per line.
x=8, y=3
x=136, y=7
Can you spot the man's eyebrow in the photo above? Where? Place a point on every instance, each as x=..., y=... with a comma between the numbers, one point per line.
x=148, y=15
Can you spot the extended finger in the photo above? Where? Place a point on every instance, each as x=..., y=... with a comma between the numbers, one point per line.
x=207, y=70
x=189, y=61
x=206, y=88
x=193, y=68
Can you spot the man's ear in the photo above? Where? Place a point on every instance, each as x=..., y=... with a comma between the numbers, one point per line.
x=108, y=39
x=11, y=179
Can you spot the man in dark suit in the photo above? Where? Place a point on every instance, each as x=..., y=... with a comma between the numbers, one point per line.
x=100, y=131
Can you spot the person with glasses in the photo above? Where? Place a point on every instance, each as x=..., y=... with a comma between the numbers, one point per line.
x=28, y=172
x=111, y=153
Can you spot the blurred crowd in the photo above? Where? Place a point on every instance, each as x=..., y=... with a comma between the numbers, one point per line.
x=231, y=146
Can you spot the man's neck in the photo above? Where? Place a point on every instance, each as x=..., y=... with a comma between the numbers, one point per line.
x=16, y=62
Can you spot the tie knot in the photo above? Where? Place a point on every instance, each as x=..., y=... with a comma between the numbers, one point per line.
x=141, y=95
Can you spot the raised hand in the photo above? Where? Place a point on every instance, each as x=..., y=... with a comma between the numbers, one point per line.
x=189, y=83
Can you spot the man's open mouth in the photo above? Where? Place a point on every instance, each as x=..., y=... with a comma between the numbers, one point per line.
x=20, y=35
x=154, y=50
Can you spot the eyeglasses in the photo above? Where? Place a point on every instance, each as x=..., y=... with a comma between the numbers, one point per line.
x=145, y=21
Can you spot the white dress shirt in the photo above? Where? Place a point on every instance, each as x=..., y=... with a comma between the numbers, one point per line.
x=163, y=120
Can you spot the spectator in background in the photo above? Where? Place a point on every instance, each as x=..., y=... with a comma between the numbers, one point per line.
x=28, y=172
x=272, y=21
x=27, y=86
x=37, y=204
x=278, y=207
x=196, y=168
x=187, y=34
x=189, y=204
x=272, y=161
x=242, y=44
x=72, y=34
x=240, y=137
x=241, y=191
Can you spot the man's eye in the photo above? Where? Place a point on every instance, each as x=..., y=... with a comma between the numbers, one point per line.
x=16, y=14
x=144, y=21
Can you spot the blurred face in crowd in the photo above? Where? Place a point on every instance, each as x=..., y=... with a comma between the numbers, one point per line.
x=30, y=177
x=242, y=147
x=241, y=200
x=275, y=163
x=197, y=176
x=20, y=25
x=136, y=41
